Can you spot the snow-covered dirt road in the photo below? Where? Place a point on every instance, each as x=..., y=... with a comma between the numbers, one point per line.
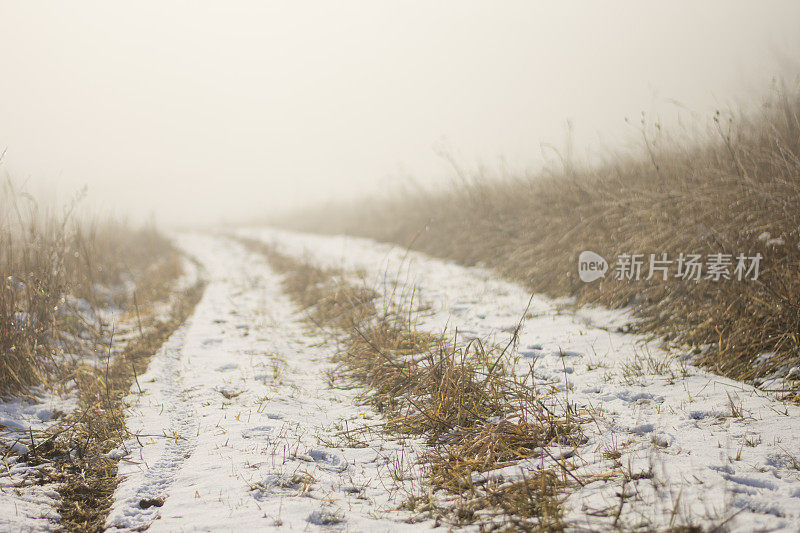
x=670, y=444
x=237, y=426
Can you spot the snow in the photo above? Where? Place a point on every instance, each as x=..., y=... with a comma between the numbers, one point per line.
x=25, y=503
x=237, y=428
x=700, y=448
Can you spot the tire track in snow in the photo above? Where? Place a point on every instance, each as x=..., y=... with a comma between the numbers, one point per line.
x=166, y=428
x=241, y=394
x=671, y=444
x=174, y=445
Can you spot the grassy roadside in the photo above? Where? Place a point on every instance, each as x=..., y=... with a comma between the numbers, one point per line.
x=733, y=190
x=84, y=303
x=475, y=414
x=74, y=452
x=98, y=427
x=63, y=273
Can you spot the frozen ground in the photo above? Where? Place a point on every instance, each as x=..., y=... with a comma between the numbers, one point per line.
x=238, y=428
x=694, y=447
x=28, y=499
x=26, y=503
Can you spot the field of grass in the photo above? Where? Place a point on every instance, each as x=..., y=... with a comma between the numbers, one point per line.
x=733, y=190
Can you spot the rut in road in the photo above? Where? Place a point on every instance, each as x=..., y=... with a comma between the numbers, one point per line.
x=241, y=390
x=237, y=426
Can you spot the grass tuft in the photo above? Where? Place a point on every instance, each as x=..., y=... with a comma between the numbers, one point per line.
x=461, y=397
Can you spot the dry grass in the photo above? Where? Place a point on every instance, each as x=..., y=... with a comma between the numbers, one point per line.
x=684, y=194
x=60, y=274
x=72, y=451
x=99, y=426
x=475, y=415
x=48, y=258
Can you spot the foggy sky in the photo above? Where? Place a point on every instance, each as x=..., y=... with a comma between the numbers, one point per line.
x=202, y=111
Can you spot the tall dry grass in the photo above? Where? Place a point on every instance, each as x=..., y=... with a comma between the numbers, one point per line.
x=719, y=192
x=64, y=274
x=52, y=259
